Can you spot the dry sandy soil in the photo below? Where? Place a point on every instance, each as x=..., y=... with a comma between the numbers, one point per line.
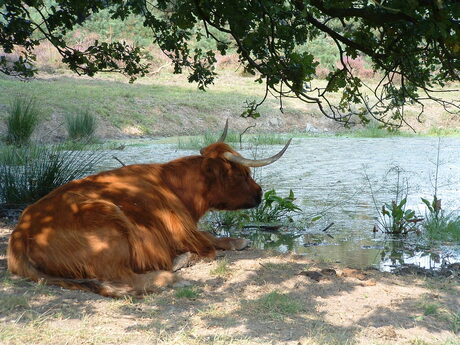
x=247, y=297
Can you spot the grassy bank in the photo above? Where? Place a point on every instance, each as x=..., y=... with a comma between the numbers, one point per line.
x=166, y=105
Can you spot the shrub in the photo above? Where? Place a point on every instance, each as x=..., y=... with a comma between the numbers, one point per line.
x=21, y=121
x=81, y=126
x=29, y=173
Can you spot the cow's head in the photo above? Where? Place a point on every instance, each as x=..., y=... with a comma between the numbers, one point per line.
x=229, y=181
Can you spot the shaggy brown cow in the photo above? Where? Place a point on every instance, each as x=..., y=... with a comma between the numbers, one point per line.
x=119, y=231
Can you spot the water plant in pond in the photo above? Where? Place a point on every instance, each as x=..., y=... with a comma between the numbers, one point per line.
x=395, y=217
x=438, y=224
x=272, y=209
x=22, y=119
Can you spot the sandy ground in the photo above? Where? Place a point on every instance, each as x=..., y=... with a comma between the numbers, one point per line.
x=247, y=297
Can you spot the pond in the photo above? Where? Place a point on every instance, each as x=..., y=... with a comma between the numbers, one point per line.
x=343, y=179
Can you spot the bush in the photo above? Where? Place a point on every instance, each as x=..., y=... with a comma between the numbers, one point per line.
x=29, y=173
x=21, y=121
x=81, y=126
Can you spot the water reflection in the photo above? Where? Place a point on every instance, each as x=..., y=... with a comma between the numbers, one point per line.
x=326, y=175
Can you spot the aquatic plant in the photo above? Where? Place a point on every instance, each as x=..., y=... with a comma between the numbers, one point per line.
x=394, y=217
x=272, y=209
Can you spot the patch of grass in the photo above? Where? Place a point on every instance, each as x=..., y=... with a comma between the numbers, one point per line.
x=198, y=142
x=222, y=268
x=187, y=292
x=276, y=305
x=443, y=132
x=430, y=308
x=212, y=311
x=442, y=226
x=373, y=130
x=29, y=173
x=277, y=266
x=81, y=126
x=455, y=322
x=10, y=303
x=268, y=139
x=22, y=119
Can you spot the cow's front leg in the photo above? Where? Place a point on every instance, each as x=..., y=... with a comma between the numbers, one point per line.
x=227, y=243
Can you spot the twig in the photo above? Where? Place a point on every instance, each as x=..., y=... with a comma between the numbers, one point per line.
x=241, y=135
x=327, y=227
x=119, y=161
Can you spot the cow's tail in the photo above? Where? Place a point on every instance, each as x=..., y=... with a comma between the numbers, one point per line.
x=20, y=264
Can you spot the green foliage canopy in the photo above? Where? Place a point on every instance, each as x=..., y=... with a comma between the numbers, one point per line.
x=414, y=45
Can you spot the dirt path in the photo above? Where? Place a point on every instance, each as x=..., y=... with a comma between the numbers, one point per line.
x=248, y=297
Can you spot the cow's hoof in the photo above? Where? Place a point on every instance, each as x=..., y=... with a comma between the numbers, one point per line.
x=183, y=260
x=241, y=243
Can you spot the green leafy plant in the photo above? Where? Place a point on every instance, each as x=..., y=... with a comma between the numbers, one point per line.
x=272, y=209
x=397, y=219
x=394, y=217
x=81, y=126
x=438, y=224
x=21, y=121
x=28, y=173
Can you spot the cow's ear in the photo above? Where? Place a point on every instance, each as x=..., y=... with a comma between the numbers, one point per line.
x=212, y=168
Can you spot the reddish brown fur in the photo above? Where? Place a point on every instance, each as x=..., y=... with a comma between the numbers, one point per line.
x=119, y=231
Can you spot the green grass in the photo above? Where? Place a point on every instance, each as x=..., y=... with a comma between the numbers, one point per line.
x=372, y=131
x=22, y=118
x=222, y=268
x=163, y=101
x=430, y=308
x=268, y=139
x=28, y=173
x=198, y=142
x=443, y=132
x=81, y=126
x=187, y=292
x=276, y=305
x=443, y=227
x=9, y=303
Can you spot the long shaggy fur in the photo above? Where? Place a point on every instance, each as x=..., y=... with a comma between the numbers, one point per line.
x=118, y=232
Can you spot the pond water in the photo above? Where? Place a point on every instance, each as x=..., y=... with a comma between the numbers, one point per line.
x=328, y=177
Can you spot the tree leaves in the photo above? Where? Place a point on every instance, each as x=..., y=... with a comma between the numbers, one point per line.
x=413, y=45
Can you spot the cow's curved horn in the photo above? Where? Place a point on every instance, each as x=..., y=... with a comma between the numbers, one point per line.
x=224, y=133
x=256, y=162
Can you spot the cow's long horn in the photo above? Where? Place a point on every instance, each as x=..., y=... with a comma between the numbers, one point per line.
x=224, y=134
x=256, y=162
